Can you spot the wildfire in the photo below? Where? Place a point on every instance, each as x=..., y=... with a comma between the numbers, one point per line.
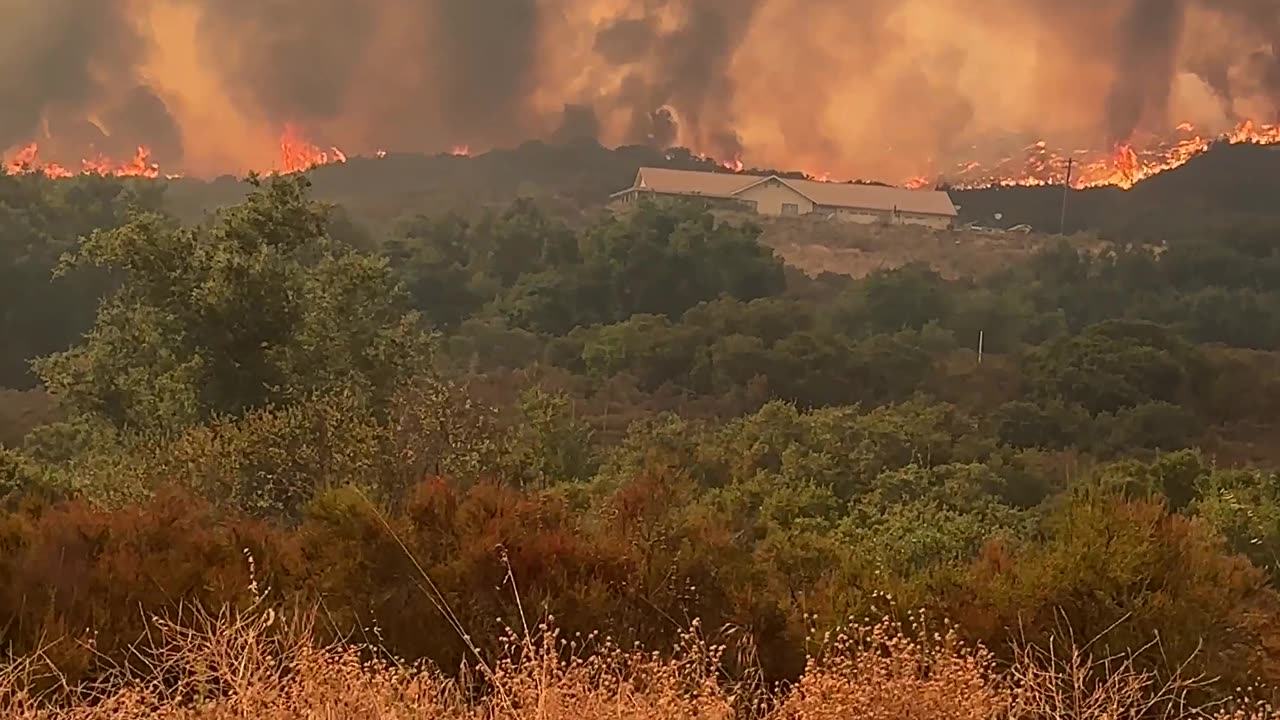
x=1125, y=166
x=297, y=154
x=27, y=160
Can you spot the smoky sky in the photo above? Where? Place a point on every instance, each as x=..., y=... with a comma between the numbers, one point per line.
x=865, y=82
x=58, y=56
x=1147, y=45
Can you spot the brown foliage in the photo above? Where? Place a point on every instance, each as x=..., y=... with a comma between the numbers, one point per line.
x=439, y=578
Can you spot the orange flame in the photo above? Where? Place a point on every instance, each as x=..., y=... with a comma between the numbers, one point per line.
x=297, y=154
x=1126, y=166
x=27, y=160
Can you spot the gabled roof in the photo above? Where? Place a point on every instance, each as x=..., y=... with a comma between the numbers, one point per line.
x=690, y=182
x=848, y=195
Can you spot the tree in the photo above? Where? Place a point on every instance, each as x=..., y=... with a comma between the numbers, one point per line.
x=433, y=260
x=665, y=260
x=905, y=298
x=258, y=308
x=1118, y=364
x=40, y=219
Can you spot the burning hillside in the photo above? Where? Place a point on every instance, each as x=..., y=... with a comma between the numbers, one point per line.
x=1126, y=165
x=297, y=154
x=886, y=89
x=1037, y=165
x=27, y=159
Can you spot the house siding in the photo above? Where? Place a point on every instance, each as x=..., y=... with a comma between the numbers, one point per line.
x=868, y=216
x=936, y=222
x=773, y=196
x=855, y=215
x=770, y=195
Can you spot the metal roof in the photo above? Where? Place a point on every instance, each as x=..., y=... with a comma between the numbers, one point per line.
x=846, y=195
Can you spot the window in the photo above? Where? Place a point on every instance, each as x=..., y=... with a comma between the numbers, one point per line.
x=790, y=209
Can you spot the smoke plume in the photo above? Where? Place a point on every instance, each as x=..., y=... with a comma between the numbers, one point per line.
x=876, y=88
x=1146, y=60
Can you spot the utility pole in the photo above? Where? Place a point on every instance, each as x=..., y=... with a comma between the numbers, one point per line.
x=1066, y=190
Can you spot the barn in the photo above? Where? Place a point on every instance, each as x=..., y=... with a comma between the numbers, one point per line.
x=777, y=195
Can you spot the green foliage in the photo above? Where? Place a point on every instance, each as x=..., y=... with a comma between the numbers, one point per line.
x=17, y=474
x=1244, y=506
x=40, y=220
x=1051, y=425
x=549, y=445
x=679, y=430
x=260, y=308
x=1124, y=572
x=906, y=298
x=664, y=260
x=1116, y=365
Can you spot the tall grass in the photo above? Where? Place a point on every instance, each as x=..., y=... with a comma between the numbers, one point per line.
x=265, y=664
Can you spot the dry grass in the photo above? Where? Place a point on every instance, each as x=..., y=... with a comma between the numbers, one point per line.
x=818, y=245
x=258, y=665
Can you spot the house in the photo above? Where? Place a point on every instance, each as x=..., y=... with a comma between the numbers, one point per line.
x=775, y=195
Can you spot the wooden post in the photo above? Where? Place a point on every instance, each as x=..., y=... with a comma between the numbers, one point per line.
x=1066, y=189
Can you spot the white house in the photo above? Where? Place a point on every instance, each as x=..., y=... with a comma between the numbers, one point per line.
x=774, y=195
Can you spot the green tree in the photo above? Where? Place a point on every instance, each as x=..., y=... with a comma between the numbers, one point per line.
x=1118, y=364
x=665, y=260
x=258, y=308
x=433, y=260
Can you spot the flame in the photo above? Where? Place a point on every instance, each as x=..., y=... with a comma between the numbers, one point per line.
x=1125, y=166
x=297, y=154
x=27, y=160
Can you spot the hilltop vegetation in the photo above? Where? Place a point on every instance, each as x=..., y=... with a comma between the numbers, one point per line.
x=1227, y=185
x=455, y=423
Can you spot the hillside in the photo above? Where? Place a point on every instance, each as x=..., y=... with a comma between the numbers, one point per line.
x=1230, y=183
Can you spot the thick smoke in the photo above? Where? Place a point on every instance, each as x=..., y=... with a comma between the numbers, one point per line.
x=881, y=88
x=679, y=79
x=1147, y=43
x=66, y=63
